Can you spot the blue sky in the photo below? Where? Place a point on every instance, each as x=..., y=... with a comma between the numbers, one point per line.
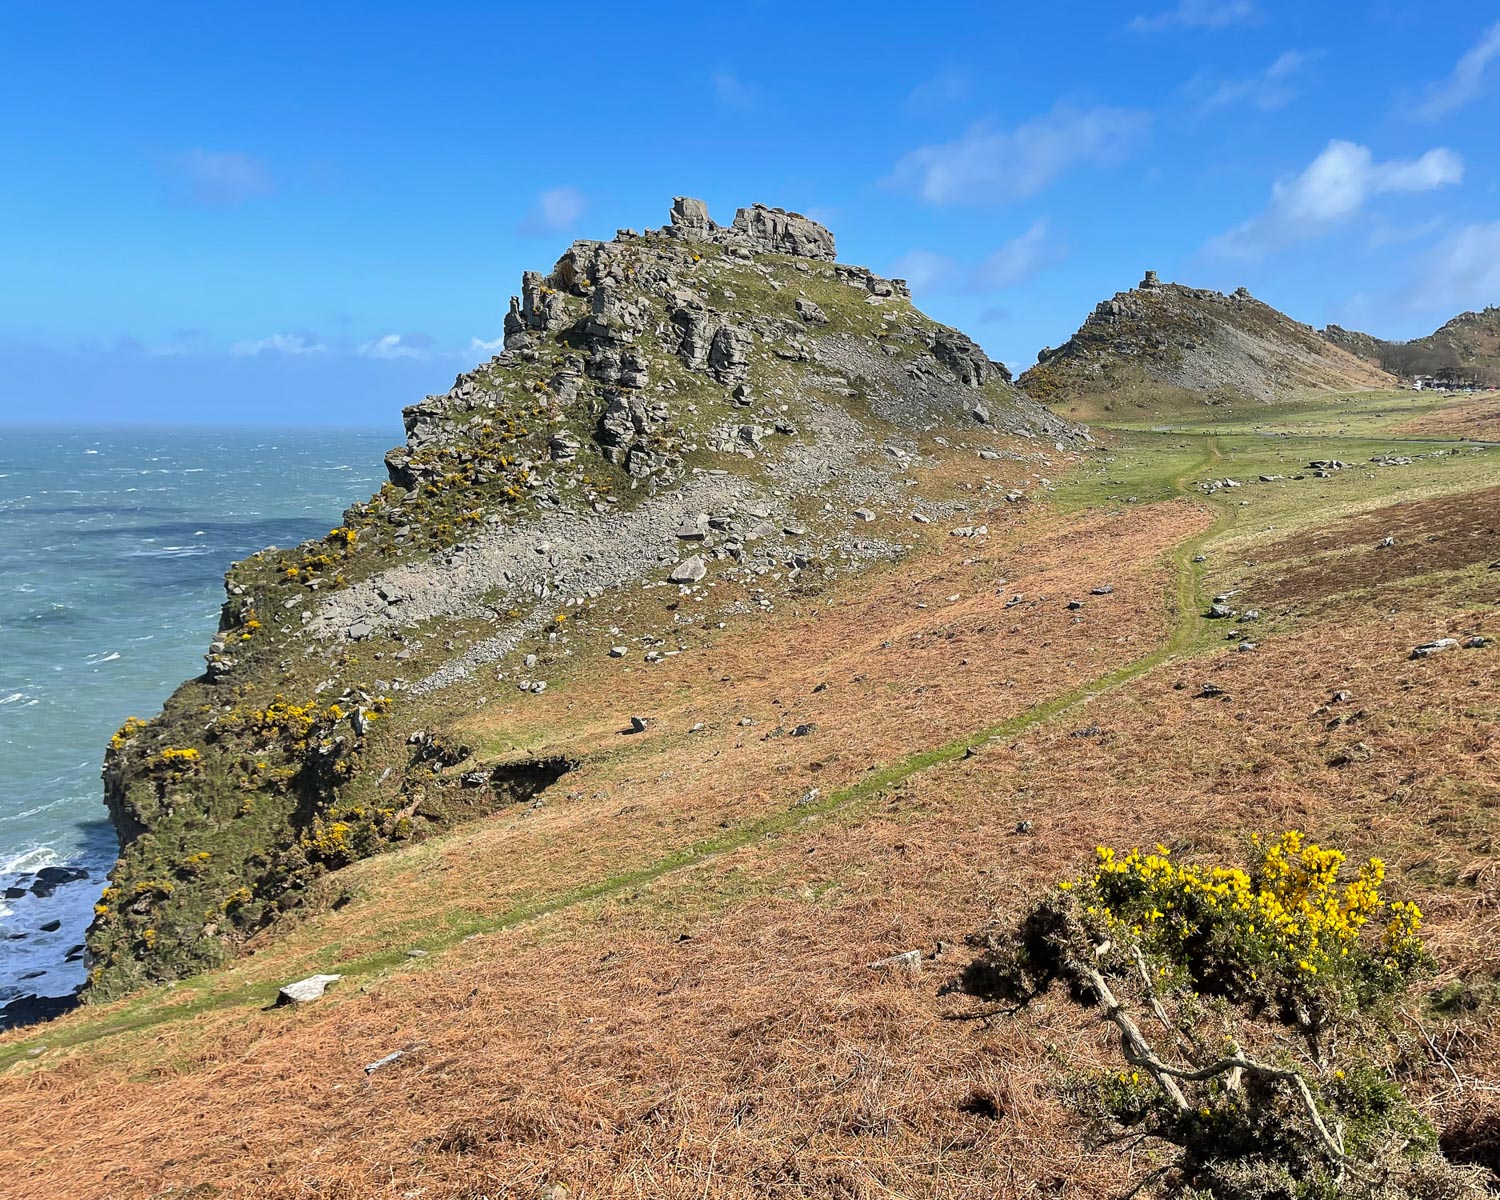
x=315, y=214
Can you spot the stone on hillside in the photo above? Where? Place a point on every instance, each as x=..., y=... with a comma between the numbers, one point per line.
x=393, y=1056
x=689, y=571
x=693, y=527
x=811, y=313
x=1436, y=646
x=691, y=215
x=909, y=961
x=305, y=990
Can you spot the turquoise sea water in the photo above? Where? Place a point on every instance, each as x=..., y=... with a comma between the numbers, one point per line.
x=113, y=546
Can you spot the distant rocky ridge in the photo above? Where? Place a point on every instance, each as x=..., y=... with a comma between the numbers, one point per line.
x=722, y=412
x=1464, y=352
x=1201, y=345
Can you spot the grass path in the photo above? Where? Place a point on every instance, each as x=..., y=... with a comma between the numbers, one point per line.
x=1188, y=629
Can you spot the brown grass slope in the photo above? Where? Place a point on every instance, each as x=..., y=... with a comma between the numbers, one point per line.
x=715, y=1030
x=1166, y=347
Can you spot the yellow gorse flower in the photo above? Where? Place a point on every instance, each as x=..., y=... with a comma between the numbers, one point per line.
x=1296, y=904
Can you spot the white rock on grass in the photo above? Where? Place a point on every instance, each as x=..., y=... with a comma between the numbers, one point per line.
x=689, y=571
x=304, y=990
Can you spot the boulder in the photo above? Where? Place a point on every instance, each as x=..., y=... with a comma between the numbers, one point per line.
x=689, y=570
x=691, y=216
x=811, y=313
x=305, y=990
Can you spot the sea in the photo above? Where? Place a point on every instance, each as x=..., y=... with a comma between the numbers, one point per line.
x=113, y=547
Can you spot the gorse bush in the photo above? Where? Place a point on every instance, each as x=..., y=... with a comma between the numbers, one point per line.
x=1253, y=1010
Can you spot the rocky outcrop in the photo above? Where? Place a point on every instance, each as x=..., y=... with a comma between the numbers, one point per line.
x=733, y=374
x=757, y=229
x=1193, y=343
x=1463, y=353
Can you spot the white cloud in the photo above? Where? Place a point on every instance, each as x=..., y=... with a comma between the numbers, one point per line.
x=280, y=343
x=988, y=165
x=396, y=345
x=1333, y=188
x=1018, y=260
x=1275, y=87
x=480, y=346
x=924, y=270
x=1461, y=272
x=216, y=178
x=1199, y=14
x=555, y=211
x=1467, y=81
x=1012, y=264
x=733, y=92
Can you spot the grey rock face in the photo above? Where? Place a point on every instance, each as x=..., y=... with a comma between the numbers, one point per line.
x=961, y=356
x=811, y=313
x=783, y=232
x=690, y=214
x=729, y=354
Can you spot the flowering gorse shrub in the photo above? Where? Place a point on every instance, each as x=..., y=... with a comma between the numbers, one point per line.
x=1252, y=1009
x=1295, y=931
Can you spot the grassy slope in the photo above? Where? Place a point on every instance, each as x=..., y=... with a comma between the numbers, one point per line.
x=717, y=846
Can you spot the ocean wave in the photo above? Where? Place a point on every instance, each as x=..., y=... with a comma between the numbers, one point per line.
x=94, y=660
x=29, y=860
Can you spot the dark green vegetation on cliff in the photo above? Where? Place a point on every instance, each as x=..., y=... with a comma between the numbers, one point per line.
x=715, y=389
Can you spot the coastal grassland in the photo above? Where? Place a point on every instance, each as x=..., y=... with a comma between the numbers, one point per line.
x=667, y=993
x=736, y=984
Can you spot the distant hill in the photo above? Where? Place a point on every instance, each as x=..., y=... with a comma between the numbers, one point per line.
x=1165, y=347
x=1465, y=351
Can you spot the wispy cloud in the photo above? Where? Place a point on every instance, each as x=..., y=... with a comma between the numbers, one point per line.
x=556, y=210
x=1019, y=259
x=925, y=270
x=397, y=345
x=1012, y=264
x=215, y=178
x=947, y=87
x=1331, y=190
x=987, y=165
x=1199, y=14
x=481, y=346
x=730, y=91
x=280, y=343
x=1461, y=272
x=1275, y=87
x=1467, y=81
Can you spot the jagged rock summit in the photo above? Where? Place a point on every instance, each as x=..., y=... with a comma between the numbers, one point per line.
x=685, y=425
x=1166, y=345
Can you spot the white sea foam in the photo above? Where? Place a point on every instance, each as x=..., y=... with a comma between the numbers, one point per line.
x=13, y=698
x=24, y=862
